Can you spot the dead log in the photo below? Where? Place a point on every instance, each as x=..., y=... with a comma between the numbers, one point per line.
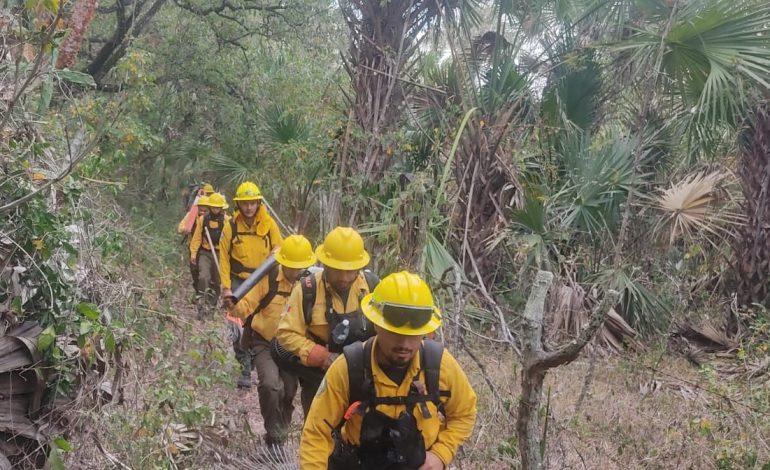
x=536, y=362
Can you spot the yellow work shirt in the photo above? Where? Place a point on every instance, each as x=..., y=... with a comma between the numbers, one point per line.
x=295, y=335
x=243, y=253
x=199, y=239
x=332, y=400
x=264, y=322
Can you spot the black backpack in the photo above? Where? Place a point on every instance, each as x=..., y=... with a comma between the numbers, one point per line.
x=308, y=284
x=362, y=385
x=385, y=442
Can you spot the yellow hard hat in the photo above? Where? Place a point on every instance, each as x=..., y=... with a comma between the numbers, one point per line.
x=217, y=200
x=248, y=191
x=202, y=201
x=402, y=303
x=208, y=189
x=295, y=252
x=343, y=248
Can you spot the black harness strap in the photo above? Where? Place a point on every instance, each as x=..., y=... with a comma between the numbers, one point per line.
x=309, y=287
x=235, y=234
x=361, y=382
x=272, y=292
x=308, y=284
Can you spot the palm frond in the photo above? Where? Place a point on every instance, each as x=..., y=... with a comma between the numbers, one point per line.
x=569, y=311
x=642, y=308
x=571, y=101
x=503, y=83
x=282, y=126
x=688, y=206
x=231, y=169
x=437, y=259
x=710, y=53
x=598, y=176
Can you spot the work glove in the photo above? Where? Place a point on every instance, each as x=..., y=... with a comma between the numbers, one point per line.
x=233, y=329
x=228, y=299
x=329, y=360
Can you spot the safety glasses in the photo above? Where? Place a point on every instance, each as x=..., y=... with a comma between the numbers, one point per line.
x=399, y=315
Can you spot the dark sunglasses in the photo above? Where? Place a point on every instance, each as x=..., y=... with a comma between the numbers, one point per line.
x=399, y=315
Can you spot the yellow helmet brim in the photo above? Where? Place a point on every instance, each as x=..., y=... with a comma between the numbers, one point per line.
x=375, y=316
x=287, y=263
x=327, y=260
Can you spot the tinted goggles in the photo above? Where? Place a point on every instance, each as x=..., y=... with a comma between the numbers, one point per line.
x=399, y=315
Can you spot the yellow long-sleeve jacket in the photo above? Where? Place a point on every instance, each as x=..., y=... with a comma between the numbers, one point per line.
x=297, y=337
x=332, y=400
x=243, y=252
x=265, y=321
x=199, y=239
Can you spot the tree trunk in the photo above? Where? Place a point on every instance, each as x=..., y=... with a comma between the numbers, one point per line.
x=128, y=26
x=536, y=363
x=752, y=246
x=82, y=14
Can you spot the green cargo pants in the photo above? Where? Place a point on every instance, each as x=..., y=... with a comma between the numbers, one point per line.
x=208, y=279
x=276, y=388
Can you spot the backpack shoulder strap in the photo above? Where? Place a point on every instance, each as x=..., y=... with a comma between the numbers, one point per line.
x=233, y=234
x=272, y=289
x=309, y=285
x=430, y=358
x=358, y=356
x=371, y=279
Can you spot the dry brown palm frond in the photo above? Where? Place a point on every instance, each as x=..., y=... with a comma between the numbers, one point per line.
x=284, y=457
x=690, y=206
x=570, y=309
x=707, y=337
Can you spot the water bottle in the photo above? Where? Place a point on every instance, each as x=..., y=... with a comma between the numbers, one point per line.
x=341, y=331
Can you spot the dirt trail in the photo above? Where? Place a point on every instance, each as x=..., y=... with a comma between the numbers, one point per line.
x=236, y=410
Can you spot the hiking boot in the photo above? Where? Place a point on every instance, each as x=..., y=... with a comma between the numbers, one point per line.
x=244, y=382
x=200, y=309
x=244, y=358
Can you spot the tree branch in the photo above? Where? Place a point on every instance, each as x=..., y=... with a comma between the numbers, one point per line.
x=533, y=313
x=47, y=36
x=226, y=5
x=77, y=147
x=570, y=351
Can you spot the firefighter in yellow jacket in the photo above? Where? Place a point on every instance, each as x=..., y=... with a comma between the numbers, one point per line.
x=262, y=307
x=323, y=312
x=183, y=229
x=246, y=242
x=395, y=381
x=208, y=230
x=186, y=227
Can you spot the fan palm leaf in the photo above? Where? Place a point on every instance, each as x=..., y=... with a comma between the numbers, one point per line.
x=597, y=179
x=711, y=51
x=232, y=170
x=688, y=206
